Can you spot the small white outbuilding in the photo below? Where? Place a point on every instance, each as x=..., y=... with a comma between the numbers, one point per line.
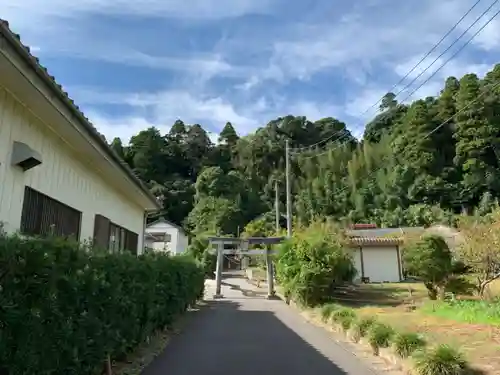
x=377, y=253
x=163, y=235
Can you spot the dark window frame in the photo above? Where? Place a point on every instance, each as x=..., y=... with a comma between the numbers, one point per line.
x=43, y=216
x=124, y=239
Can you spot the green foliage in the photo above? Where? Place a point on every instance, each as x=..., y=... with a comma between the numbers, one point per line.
x=215, y=215
x=346, y=322
x=407, y=343
x=311, y=264
x=442, y=360
x=262, y=226
x=199, y=249
x=67, y=308
x=467, y=311
x=380, y=336
x=460, y=286
x=361, y=327
x=405, y=171
x=345, y=317
x=327, y=310
x=430, y=259
x=339, y=314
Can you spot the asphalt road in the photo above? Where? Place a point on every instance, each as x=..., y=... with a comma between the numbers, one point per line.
x=246, y=334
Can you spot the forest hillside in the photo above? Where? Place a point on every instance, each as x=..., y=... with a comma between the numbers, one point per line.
x=418, y=163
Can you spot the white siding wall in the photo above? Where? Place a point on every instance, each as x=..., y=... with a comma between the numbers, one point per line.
x=182, y=242
x=178, y=242
x=60, y=176
x=381, y=263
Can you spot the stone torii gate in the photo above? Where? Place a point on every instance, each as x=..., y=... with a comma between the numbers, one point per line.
x=242, y=249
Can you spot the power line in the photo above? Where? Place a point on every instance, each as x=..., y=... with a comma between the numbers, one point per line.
x=327, y=151
x=449, y=59
x=426, y=55
x=456, y=52
x=428, y=134
x=297, y=149
x=416, y=66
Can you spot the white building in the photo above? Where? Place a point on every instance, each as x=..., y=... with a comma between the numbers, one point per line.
x=166, y=236
x=57, y=173
x=377, y=253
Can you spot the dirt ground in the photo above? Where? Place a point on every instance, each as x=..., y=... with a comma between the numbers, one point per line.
x=390, y=303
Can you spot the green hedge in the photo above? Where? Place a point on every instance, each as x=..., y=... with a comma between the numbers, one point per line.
x=63, y=308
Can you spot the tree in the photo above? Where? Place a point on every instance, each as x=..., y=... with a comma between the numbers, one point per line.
x=417, y=163
x=215, y=215
x=228, y=135
x=430, y=259
x=476, y=141
x=117, y=146
x=480, y=249
x=388, y=101
x=313, y=263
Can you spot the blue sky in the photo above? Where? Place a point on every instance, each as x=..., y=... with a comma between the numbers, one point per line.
x=130, y=65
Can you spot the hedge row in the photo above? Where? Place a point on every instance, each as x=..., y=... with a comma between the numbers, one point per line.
x=426, y=360
x=64, y=309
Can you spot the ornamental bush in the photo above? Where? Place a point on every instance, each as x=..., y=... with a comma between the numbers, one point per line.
x=313, y=263
x=64, y=308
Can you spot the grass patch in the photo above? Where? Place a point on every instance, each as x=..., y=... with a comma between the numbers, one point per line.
x=475, y=312
x=442, y=360
x=380, y=335
x=361, y=326
x=479, y=342
x=327, y=311
x=407, y=343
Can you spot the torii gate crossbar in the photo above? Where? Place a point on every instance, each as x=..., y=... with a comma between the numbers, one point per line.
x=243, y=244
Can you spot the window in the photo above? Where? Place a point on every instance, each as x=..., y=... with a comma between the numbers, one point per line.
x=113, y=237
x=45, y=216
x=167, y=238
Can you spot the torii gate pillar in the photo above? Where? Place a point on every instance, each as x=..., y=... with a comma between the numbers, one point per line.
x=218, y=270
x=271, y=293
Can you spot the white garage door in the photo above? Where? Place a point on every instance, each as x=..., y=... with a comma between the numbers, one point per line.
x=381, y=264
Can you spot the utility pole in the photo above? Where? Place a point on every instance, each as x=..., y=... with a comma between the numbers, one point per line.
x=277, y=206
x=288, y=191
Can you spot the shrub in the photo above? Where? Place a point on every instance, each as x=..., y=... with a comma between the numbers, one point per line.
x=361, y=327
x=340, y=314
x=346, y=322
x=311, y=264
x=68, y=308
x=442, y=360
x=327, y=311
x=379, y=336
x=430, y=259
x=407, y=343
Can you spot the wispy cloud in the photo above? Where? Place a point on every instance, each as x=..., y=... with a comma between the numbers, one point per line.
x=163, y=108
x=193, y=9
x=244, y=61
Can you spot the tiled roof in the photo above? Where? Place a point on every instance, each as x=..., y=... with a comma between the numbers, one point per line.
x=375, y=241
x=43, y=74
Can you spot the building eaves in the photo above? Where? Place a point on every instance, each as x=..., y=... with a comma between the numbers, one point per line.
x=25, y=53
x=163, y=220
x=375, y=241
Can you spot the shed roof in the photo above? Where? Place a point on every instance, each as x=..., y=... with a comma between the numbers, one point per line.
x=375, y=241
x=24, y=52
x=250, y=240
x=163, y=220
